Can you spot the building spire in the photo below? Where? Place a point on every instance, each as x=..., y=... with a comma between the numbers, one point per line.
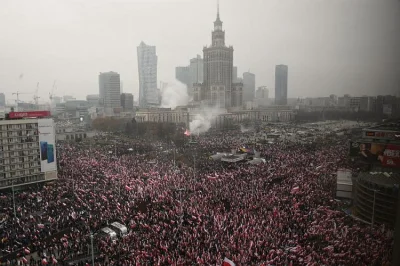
x=217, y=9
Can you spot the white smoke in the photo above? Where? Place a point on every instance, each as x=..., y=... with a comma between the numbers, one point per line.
x=175, y=94
x=203, y=120
x=244, y=129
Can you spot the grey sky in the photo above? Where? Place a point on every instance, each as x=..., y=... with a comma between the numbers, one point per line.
x=330, y=46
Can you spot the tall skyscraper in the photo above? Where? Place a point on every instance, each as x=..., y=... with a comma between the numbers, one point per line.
x=191, y=74
x=2, y=99
x=234, y=74
x=196, y=70
x=249, y=86
x=147, y=66
x=110, y=91
x=262, y=96
x=281, y=84
x=127, y=102
x=218, y=88
x=183, y=75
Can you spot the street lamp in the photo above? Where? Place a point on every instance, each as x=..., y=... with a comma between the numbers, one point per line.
x=13, y=196
x=373, y=207
x=91, y=245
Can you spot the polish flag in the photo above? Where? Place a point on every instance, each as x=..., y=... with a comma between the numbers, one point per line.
x=128, y=188
x=27, y=251
x=187, y=132
x=294, y=190
x=44, y=262
x=24, y=260
x=228, y=262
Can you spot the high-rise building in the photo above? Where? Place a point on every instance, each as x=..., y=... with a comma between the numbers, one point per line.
x=262, y=96
x=218, y=88
x=234, y=74
x=281, y=84
x=196, y=70
x=110, y=91
x=147, y=66
x=249, y=86
x=183, y=75
x=2, y=99
x=127, y=102
x=191, y=74
x=30, y=154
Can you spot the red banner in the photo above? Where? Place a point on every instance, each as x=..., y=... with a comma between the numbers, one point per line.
x=13, y=115
x=391, y=162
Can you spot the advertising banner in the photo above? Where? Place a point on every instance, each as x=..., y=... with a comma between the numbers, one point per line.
x=32, y=114
x=386, y=154
x=47, y=145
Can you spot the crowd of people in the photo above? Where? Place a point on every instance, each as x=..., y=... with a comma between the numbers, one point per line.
x=195, y=211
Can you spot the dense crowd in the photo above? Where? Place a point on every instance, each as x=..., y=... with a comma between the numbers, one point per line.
x=282, y=212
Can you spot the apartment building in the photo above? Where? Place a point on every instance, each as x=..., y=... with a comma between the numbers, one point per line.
x=27, y=151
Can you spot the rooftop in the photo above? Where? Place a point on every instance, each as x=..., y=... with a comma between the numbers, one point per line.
x=387, y=179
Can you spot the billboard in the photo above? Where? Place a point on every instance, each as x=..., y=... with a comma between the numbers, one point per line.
x=13, y=115
x=47, y=145
x=387, y=155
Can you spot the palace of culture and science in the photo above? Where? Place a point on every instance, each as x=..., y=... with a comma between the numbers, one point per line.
x=218, y=89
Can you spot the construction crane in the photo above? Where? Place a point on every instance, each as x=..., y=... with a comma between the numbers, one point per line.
x=19, y=93
x=51, y=94
x=36, y=97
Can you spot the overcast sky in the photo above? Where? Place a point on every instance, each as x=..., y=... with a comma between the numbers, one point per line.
x=330, y=46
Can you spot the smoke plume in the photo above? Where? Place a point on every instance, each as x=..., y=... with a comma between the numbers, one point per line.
x=175, y=94
x=203, y=120
x=244, y=129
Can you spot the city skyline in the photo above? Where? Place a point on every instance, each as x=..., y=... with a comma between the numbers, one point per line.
x=346, y=47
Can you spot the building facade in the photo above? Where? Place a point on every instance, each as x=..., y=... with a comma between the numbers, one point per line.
x=281, y=84
x=249, y=86
x=2, y=99
x=127, y=102
x=93, y=100
x=110, y=91
x=262, y=96
x=182, y=74
x=28, y=152
x=147, y=66
x=218, y=88
x=192, y=74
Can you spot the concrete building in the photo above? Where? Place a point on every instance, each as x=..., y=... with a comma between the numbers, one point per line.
x=67, y=98
x=185, y=115
x=109, y=92
x=262, y=96
x=93, y=100
x=218, y=88
x=28, y=151
x=196, y=70
x=235, y=74
x=127, y=102
x=192, y=74
x=2, y=99
x=249, y=86
x=147, y=66
x=281, y=84
x=183, y=75
x=73, y=110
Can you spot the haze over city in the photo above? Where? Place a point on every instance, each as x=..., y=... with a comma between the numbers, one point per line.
x=330, y=46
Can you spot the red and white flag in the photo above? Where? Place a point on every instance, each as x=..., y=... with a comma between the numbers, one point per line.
x=295, y=190
x=228, y=262
x=187, y=132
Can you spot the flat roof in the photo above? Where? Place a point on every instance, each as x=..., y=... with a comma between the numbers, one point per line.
x=388, y=179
